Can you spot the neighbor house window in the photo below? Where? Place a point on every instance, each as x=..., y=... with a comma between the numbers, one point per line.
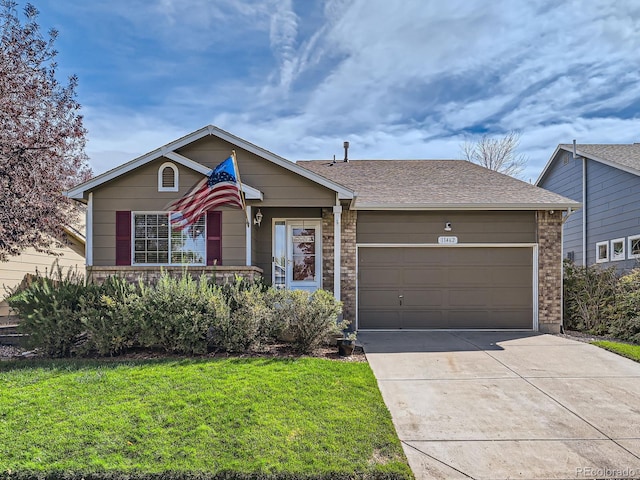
x=617, y=249
x=602, y=252
x=156, y=241
x=168, y=178
x=634, y=246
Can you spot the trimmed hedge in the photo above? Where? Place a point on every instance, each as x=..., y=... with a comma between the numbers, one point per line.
x=64, y=317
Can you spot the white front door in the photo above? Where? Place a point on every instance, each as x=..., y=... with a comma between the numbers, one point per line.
x=297, y=254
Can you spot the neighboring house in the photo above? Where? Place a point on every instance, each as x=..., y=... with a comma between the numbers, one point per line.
x=606, y=180
x=404, y=244
x=18, y=268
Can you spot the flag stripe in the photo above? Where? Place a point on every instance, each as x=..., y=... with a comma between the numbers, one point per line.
x=219, y=188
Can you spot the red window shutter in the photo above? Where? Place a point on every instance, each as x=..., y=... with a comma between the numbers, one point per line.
x=214, y=238
x=123, y=238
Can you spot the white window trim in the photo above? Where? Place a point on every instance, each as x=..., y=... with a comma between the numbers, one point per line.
x=612, y=255
x=629, y=249
x=176, y=183
x=598, y=259
x=133, y=238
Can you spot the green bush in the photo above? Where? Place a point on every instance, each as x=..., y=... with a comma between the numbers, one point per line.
x=178, y=315
x=589, y=293
x=48, y=309
x=111, y=316
x=311, y=319
x=625, y=318
x=251, y=322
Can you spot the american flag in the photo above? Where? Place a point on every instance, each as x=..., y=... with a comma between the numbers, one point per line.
x=220, y=187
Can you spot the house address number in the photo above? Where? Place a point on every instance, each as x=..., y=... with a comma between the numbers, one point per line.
x=447, y=240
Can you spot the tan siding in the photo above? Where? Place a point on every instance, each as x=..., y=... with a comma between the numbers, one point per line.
x=12, y=272
x=280, y=186
x=426, y=227
x=138, y=191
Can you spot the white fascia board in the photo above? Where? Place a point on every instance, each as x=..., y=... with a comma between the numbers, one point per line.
x=471, y=206
x=168, y=149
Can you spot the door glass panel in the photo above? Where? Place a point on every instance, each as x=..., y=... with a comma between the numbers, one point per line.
x=304, y=254
x=279, y=255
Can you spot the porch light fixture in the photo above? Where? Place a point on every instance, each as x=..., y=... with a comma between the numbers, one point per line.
x=258, y=220
x=447, y=227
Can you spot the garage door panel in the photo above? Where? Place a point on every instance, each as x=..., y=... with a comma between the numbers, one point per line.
x=472, y=276
x=466, y=297
x=417, y=318
x=515, y=318
x=422, y=298
x=511, y=296
x=377, y=319
x=467, y=318
x=424, y=276
x=379, y=276
x=445, y=287
x=381, y=256
x=379, y=298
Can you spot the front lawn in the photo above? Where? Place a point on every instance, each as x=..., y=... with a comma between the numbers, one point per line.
x=624, y=349
x=307, y=417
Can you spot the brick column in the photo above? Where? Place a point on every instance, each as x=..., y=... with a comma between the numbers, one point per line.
x=549, y=271
x=348, y=264
x=327, y=249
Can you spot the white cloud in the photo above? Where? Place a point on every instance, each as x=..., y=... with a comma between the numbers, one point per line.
x=396, y=82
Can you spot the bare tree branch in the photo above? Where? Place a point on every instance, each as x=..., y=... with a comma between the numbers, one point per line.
x=499, y=154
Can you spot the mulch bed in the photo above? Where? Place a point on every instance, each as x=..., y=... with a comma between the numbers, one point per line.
x=273, y=351
x=588, y=337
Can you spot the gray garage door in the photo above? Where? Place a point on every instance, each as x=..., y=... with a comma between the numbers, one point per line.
x=438, y=287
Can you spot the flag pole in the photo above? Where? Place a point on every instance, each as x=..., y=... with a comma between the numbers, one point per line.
x=244, y=203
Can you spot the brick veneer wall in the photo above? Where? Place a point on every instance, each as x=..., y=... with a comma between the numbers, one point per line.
x=348, y=264
x=222, y=274
x=549, y=271
x=327, y=249
x=347, y=258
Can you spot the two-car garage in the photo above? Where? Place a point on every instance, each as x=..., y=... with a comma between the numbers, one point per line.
x=446, y=287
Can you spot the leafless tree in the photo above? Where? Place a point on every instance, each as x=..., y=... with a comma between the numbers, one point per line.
x=499, y=154
x=42, y=137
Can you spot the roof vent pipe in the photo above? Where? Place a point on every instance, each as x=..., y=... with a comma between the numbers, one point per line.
x=346, y=151
x=575, y=155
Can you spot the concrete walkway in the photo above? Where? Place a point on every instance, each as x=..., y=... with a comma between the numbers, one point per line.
x=490, y=405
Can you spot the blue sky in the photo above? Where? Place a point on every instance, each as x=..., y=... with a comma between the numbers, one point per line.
x=408, y=79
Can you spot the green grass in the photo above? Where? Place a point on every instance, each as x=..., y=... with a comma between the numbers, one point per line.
x=301, y=416
x=624, y=349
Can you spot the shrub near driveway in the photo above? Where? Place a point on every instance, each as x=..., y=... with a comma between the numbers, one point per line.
x=227, y=418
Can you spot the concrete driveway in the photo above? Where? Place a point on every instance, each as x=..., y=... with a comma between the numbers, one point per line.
x=508, y=405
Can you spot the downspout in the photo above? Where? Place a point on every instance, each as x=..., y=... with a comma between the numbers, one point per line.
x=584, y=212
x=584, y=204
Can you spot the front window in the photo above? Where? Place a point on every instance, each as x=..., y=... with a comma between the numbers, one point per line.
x=157, y=241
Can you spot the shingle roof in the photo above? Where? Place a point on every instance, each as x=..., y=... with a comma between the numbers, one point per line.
x=434, y=184
x=623, y=154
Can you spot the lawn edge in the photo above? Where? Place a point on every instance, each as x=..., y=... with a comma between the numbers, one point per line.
x=611, y=346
